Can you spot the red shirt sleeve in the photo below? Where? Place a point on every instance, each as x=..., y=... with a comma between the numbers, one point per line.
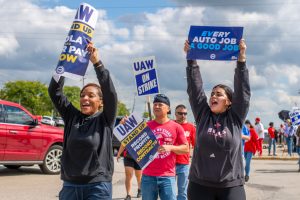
x=181, y=139
x=193, y=135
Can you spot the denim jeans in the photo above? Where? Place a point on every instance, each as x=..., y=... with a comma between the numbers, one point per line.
x=298, y=151
x=164, y=186
x=182, y=173
x=248, y=157
x=289, y=143
x=272, y=142
x=91, y=191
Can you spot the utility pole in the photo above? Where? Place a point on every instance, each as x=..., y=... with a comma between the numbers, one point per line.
x=83, y=80
x=134, y=95
x=149, y=107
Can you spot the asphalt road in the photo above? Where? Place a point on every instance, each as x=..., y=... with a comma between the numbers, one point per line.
x=269, y=179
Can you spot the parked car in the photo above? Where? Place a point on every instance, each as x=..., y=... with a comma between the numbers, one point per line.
x=48, y=120
x=26, y=141
x=59, y=121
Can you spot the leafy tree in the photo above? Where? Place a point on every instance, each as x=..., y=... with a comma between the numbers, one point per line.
x=33, y=95
x=122, y=110
x=146, y=115
x=73, y=95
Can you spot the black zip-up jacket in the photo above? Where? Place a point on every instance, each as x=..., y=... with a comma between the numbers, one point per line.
x=87, y=150
x=217, y=159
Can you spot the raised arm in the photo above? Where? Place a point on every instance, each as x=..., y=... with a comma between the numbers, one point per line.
x=110, y=99
x=197, y=97
x=59, y=100
x=241, y=96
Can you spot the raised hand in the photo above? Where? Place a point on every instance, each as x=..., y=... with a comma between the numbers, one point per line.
x=186, y=47
x=243, y=47
x=94, y=58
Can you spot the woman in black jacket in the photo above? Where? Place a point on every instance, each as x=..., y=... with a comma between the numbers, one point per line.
x=87, y=159
x=217, y=171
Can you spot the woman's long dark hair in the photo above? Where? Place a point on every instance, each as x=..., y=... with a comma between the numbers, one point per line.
x=228, y=90
x=248, y=122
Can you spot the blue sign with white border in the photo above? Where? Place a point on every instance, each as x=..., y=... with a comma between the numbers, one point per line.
x=295, y=116
x=214, y=43
x=145, y=76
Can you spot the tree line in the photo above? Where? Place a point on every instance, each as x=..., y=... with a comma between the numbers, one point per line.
x=33, y=95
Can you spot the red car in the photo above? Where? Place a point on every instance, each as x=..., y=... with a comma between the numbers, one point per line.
x=24, y=140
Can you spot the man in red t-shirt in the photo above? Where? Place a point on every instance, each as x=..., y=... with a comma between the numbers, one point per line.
x=183, y=161
x=272, y=141
x=158, y=177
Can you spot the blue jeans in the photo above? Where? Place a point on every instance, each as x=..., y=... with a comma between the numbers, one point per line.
x=298, y=151
x=289, y=143
x=182, y=172
x=248, y=158
x=91, y=191
x=164, y=186
x=272, y=141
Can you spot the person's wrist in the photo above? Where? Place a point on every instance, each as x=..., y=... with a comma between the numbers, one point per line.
x=242, y=58
x=94, y=61
x=98, y=64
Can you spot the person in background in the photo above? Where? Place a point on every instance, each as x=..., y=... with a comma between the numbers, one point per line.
x=217, y=170
x=288, y=134
x=298, y=145
x=272, y=142
x=245, y=137
x=281, y=133
x=131, y=167
x=276, y=136
x=158, y=179
x=183, y=161
x=87, y=163
x=259, y=128
x=250, y=148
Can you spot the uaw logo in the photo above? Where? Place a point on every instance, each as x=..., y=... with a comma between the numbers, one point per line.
x=60, y=70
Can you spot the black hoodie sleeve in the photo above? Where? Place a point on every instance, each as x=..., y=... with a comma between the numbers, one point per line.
x=197, y=97
x=110, y=99
x=60, y=101
x=241, y=95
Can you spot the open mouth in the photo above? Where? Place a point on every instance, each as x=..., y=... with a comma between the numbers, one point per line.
x=213, y=103
x=85, y=105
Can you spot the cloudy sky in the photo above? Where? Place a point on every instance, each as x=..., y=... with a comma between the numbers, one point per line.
x=33, y=34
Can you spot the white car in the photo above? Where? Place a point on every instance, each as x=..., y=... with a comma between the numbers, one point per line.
x=59, y=121
x=48, y=120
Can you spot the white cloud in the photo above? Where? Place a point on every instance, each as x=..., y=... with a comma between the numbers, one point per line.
x=35, y=36
x=8, y=44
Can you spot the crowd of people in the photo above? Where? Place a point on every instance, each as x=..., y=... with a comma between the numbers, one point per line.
x=286, y=134
x=218, y=169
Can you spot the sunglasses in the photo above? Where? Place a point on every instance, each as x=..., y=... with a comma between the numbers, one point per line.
x=181, y=113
